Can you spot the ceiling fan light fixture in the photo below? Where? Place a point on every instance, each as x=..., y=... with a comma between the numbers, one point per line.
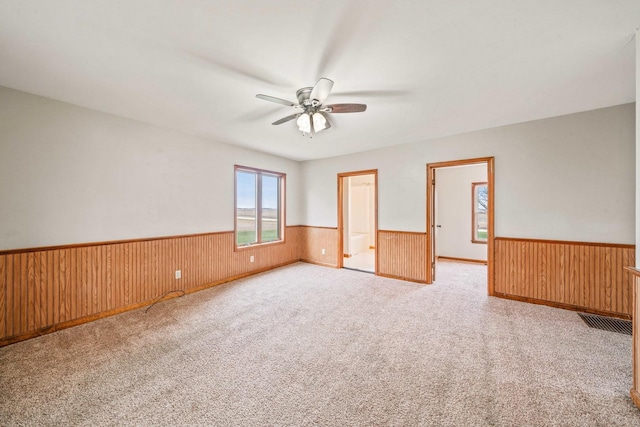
x=304, y=123
x=319, y=122
x=313, y=116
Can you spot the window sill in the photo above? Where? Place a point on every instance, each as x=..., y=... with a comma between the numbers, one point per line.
x=258, y=245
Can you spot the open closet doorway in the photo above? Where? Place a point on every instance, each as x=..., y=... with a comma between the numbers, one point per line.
x=460, y=222
x=358, y=219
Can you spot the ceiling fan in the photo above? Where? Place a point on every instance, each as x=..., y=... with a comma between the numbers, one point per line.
x=313, y=117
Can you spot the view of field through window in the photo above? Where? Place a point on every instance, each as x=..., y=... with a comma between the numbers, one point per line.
x=257, y=207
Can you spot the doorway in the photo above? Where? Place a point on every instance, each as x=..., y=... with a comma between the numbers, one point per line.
x=358, y=220
x=481, y=226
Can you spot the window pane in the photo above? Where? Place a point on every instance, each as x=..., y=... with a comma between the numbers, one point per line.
x=246, y=203
x=270, y=208
x=259, y=210
x=480, y=212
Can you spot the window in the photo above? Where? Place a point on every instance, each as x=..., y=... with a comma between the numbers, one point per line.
x=259, y=216
x=480, y=204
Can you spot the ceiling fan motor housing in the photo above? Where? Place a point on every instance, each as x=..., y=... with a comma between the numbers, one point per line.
x=311, y=102
x=303, y=95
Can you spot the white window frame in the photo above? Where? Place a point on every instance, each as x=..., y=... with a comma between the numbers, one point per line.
x=280, y=214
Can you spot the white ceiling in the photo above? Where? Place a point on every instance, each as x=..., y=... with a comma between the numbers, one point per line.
x=425, y=68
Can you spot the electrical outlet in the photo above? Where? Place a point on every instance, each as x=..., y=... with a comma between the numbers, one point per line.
x=251, y=259
x=323, y=252
x=178, y=274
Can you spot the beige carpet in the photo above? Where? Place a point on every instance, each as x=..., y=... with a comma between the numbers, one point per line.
x=308, y=345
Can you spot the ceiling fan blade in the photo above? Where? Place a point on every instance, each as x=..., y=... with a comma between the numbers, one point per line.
x=346, y=108
x=286, y=119
x=257, y=114
x=321, y=90
x=276, y=100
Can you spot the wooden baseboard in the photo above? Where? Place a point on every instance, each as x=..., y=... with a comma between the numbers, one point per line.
x=323, y=264
x=562, y=306
x=406, y=279
x=635, y=397
x=475, y=261
x=86, y=319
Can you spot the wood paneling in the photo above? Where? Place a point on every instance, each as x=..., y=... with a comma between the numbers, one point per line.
x=45, y=289
x=3, y=297
x=402, y=255
x=575, y=275
x=42, y=289
x=635, y=390
x=314, y=239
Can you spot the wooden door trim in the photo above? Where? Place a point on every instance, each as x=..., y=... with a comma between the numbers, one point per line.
x=431, y=167
x=431, y=225
x=342, y=175
x=357, y=173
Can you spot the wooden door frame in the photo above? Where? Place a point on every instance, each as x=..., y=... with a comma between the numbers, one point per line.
x=431, y=168
x=373, y=172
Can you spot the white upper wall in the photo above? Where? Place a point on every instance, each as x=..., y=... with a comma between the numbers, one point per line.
x=566, y=178
x=71, y=175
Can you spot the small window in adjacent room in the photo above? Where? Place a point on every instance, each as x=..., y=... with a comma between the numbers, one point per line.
x=479, y=201
x=259, y=202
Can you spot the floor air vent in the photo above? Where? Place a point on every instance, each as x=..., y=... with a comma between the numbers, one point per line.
x=607, y=323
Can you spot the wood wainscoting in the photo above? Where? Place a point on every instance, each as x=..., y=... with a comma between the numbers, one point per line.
x=314, y=240
x=589, y=277
x=402, y=255
x=635, y=389
x=46, y=289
